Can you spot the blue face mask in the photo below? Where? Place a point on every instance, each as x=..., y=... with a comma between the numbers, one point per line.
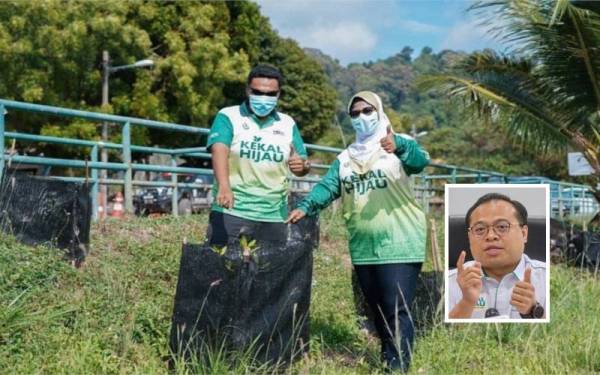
x=262, y=105
x=365, y=125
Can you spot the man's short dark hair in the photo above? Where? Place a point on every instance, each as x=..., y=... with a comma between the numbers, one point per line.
x=265, y=71
x=521, y=210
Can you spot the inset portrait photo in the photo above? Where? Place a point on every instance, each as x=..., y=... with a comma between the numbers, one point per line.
x=497, y=253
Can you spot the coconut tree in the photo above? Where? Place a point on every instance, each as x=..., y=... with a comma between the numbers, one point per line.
x=545, y=89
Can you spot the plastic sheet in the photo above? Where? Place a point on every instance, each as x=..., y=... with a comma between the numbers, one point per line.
x=47, y=211
x=584, y=249
x=255, y=298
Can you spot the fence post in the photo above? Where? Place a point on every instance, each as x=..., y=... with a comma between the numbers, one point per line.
x=174, y=204
x=94, y=177
x=572, y=205
x=560, y=202
x=128, y=173
x=1, y=140
x=424, y=191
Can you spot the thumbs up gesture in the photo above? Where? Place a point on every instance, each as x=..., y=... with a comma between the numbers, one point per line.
x=388, y=143
x=295, y=162
x=469, y=279
x=523, y=294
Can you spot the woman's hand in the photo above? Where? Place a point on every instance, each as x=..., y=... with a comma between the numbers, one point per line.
x=295, y=216
x=388, y=143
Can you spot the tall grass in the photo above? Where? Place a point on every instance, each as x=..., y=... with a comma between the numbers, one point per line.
x=113, y=315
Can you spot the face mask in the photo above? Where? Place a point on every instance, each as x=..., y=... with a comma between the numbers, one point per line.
x=365, y=125
x=262, y=105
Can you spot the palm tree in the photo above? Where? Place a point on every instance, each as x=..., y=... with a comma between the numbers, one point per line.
x=545, y=90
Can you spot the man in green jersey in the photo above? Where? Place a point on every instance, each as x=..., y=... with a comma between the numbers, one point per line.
x=253, y=145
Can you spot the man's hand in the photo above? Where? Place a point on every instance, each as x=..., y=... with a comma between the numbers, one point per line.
x=295, y=216
x=225, y=197
x=523, y=294
x=220, y=160
x=469, y=279
x=296, y=163
x=388, y=143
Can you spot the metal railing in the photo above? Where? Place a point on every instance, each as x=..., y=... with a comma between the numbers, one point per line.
x=127, y=166
x=566, y=198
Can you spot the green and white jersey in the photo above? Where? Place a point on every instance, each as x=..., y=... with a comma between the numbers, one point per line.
x=384, y=221
x=258, y=155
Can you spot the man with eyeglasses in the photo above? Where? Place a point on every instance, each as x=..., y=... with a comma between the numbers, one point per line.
x=253, y=145
x=501, y=281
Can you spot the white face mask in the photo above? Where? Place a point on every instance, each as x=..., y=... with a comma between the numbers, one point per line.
x=365, y=125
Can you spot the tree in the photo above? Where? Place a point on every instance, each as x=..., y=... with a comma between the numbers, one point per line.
x=545, y=91
x=306, y=93
x=50, y=53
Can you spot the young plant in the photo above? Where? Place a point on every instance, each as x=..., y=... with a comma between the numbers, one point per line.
x=249, y=248
x=219, y=250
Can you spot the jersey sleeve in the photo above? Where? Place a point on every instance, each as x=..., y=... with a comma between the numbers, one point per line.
x=325, y=192
x=298, y=143
x=221, y=131
x=414, y=158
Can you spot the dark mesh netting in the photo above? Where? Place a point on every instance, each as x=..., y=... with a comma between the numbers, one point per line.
x=258, y=301
x=584, y=249
x=46, y=211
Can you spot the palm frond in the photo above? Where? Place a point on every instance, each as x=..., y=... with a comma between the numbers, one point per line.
x=545, y=89
x=587, y=31
x=502, y=101
x=559, y=10
x=558, y=36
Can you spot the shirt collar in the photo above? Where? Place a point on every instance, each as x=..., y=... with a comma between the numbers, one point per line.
x=519, y=271
x=246, y=112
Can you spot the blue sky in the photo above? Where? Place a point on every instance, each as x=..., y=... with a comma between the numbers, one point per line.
x=363, y=30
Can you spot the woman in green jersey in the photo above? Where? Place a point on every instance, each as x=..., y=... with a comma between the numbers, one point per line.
x=386, y=226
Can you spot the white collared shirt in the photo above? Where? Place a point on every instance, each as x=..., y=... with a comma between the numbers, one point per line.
x=498, y=294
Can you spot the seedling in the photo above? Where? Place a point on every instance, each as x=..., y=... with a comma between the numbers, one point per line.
x=219, y=250
x=248, y=248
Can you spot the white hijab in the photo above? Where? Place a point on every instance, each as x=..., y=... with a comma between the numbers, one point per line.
x=362, y=150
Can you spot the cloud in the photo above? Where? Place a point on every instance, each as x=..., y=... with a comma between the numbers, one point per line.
x=344, y=40
x=342, y=29
x=467, y=35
x=419, y=27
x=365, y=30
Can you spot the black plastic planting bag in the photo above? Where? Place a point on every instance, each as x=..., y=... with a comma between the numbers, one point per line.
x=253, y=299
x=585, y=249
x=46, y=211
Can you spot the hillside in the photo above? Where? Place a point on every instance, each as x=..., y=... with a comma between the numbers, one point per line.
x=453, y=136
x=113, y=315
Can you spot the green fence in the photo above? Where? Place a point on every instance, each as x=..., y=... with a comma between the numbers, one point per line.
x=567, y=199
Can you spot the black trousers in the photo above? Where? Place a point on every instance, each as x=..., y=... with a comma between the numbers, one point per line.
x=389, y=290
x=225, y=228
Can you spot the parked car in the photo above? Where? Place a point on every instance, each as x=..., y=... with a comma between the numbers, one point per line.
x=154, y=199
x=580, y=202
x=159, y=199
x=200, y=197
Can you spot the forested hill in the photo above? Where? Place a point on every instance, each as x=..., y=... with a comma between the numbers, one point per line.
x=453, y=137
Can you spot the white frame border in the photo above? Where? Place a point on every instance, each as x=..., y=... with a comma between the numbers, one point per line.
x=546, y=189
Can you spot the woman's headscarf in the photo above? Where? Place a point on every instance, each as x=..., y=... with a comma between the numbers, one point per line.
x=362, y=150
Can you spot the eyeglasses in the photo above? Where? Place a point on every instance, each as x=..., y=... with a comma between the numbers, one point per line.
x=263, y=93
x=367, y=111
x=501, y=228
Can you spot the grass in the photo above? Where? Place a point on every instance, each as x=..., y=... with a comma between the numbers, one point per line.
x=113, y=315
